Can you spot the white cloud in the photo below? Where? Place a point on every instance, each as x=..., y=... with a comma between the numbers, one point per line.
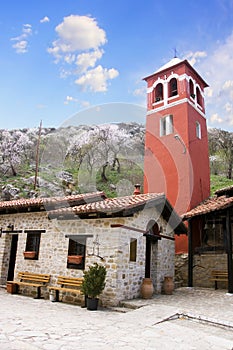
x=45, y=19
x=78, y=48
x=228, y=107
x=194, y=57
x=217, y=70
x=215, y=118
x=21, y=45
x=140, y=91
x=96, y=79
x=27, y=30
x=88, y=59
x=70, y=99
x=227, y=84
x=78, y=33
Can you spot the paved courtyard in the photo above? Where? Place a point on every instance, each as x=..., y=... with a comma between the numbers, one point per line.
x=191, y=318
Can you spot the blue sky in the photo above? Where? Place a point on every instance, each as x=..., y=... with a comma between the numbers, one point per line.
x=62, y=57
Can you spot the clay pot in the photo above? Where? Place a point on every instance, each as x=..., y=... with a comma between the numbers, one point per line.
x=29, y=254
x=11, y=287
x=147, y=288
x=168, y=285
x=75, y=259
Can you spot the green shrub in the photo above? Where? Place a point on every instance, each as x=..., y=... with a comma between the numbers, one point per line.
x=94, y=280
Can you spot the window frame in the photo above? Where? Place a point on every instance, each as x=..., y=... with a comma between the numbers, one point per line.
x=77, y=247
x=173, y=89
x=158, y=92
x=166, y=125
x=133, y=249
x=198, y=130
x=33, y=243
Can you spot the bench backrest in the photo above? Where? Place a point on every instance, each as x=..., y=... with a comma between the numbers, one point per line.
x=70, y=281
x=34, y=277
x=219, y=273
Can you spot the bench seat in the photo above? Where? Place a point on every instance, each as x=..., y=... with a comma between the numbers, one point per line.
x=32, y=280
x=219, y=276
x=67, y=284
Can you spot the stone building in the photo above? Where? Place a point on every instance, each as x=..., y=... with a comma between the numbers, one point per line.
x=132, y=236
x=210, y=240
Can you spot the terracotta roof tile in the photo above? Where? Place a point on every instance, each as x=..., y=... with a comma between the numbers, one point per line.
x=209, y=205
x=224, y=190
x=110, y=205
x=53, y=202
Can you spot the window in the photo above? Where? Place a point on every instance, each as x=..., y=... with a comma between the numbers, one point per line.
x=159, y=92
x=166, y=125
x=173, y=87
x=199, y=97
x=198, y=130
x=32, y=245
x=133, y=250
x=191, y=89
x=76, y=253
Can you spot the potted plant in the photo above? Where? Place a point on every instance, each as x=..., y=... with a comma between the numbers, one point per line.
x=93, y=284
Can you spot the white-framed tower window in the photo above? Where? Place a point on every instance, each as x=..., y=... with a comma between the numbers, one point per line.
x=166, y=125
x=198, y=130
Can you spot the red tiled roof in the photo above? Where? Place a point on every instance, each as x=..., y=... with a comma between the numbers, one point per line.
x=224, y=190
x=124, y=206
x=209, y=205
x=110, y=205
x=53, y=202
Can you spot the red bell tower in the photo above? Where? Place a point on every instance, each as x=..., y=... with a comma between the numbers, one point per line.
x=176, y=143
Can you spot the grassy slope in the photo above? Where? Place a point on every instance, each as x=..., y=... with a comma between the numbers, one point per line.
x=217, y=182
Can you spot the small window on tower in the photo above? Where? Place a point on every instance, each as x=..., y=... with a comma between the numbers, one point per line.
x=159, y=92
x=173, y=91
x=191, y=88
x=199, y=97
x=198, y=130
x=166, y=125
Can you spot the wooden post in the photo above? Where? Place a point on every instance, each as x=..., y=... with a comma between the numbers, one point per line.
x=37, y=156
x=190, y=254
x=229, y=251
x=148, y=258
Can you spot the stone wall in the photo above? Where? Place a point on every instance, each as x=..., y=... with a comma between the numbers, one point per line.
x=203, y=264
x=124, y=277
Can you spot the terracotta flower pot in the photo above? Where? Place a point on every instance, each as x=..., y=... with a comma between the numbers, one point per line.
x=29, y=255
x=75, y=259
x=147, y=288
x=168, y=285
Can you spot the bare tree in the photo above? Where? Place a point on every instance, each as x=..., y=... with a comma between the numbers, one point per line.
x=221, y=142
x=13, y=149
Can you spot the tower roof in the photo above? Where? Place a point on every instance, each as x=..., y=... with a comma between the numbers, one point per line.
x=171, y=63
x=175, y=61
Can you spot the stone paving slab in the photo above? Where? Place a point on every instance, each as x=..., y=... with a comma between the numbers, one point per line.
x=31, y=324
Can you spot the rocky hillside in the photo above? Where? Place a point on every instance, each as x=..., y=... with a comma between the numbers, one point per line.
x=69, y=160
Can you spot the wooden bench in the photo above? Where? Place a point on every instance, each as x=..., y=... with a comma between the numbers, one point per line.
x=219, y=276
x=33, y=280
x=67, y=284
